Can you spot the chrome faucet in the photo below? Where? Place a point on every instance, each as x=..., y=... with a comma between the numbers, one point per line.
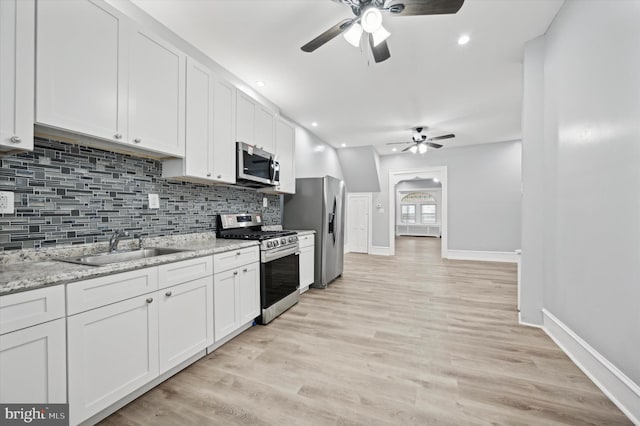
x=115, y=239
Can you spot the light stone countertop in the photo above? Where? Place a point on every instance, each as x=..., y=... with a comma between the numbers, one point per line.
x=31, y=269
x=303, y=233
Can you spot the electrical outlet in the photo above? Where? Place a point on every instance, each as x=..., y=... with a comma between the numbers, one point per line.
x=6, y=202
x=265, y=202
x=154, y=201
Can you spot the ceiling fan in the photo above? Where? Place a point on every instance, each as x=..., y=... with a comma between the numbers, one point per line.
x=368, y=19
x=420, y=142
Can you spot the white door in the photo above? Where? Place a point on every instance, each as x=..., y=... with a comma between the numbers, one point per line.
x=224, y=134
x=112, y=351
x=358, y=222
x=249, y=288
x=199, y=120
x=245, y=119
x=17, y=50
x=225, y=303
x=33, y=364
x=186, y=321
x=156, y=94
x=81, y=68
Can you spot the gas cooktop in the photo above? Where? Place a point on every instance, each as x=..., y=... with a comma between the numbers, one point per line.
x=250, y=234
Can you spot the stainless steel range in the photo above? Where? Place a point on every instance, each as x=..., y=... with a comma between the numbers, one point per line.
x=279, y=261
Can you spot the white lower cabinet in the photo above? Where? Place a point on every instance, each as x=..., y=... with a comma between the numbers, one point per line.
x=236, y=295
x=33, y=365
x=307, y=260
x=112, y=351
x=186, y=321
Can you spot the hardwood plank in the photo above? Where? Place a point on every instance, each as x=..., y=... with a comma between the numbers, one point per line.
x=408, y=339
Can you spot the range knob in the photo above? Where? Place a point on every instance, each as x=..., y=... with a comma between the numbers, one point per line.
x=275, y=243
x=269, y=244
x=283, y=241
x=291, y=239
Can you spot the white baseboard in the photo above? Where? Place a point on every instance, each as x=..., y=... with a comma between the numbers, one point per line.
x=527, y=324
x=380, y=251
x=620, y=389
x=484, y=256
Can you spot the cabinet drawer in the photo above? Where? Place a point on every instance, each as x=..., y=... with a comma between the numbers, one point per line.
x=306, y=241
x=96, y=292
x=187, y=270
x=235, y=258
x=29, y=308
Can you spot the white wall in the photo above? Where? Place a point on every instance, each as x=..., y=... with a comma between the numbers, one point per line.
x=592, y=163
x=483, y=195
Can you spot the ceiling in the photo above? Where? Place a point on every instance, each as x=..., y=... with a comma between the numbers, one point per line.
x=474, y=90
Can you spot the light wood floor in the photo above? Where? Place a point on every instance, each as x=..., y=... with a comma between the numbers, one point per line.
x=404, y=340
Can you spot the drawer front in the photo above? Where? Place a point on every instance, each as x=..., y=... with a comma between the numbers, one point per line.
x=32, y=307
x=235, y=259
x=306, y=241
x=187, y=270
x=96, y=292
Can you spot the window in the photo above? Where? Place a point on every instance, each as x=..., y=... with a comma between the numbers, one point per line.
x=408, y=214
x=428, y=214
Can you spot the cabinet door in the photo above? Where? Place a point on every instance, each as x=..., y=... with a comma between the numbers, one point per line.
x=249, y=288
x=285, y=151
x=224, y=136
x=245, y=118
x=264, y=129
x=81, y=69
x=33, y=364
x=17, y=50
x=112, y=351
x=306, y=268
x=186, y=321
x=156, y=94
x=199, y=120
x=225, y=302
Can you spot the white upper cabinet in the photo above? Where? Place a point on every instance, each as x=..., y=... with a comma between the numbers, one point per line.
x=224, y=135
x=81, y=68
x=99, y=75
x=254, y=123
x=17, y=53
x=265, y=121
x=245, y=119
x=156, y=94
x=285, y=152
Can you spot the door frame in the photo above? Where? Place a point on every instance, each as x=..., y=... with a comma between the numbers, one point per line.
x=369, y=197
x=398, y=175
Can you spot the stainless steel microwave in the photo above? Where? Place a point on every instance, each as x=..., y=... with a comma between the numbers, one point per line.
x=256, y=168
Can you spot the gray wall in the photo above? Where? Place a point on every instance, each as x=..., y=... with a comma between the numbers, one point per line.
x=360, y=168
x=314, y=157
x=70, y=194
x=483, y=190
x=592, y=136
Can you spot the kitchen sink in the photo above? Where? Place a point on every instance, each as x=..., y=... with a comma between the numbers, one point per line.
x=119, y=256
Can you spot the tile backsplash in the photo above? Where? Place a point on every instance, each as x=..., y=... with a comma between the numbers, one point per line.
x=70, y=194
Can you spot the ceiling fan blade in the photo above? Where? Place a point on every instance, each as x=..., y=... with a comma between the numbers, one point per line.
x=397, y=143
x=328, y=35
x=434, y=145
x=380, y=52
x=439, y=138
x=407, y=148
x=425, y=7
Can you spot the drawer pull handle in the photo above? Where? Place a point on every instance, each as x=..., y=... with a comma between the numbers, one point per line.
x=168, y=294
x=118, y=136
x=219, y=176
x=149, y=300
x=208, y=174
x=238, y=253
x=16, y=139
x=137, y=140
x=235, y=272
x=245, y=270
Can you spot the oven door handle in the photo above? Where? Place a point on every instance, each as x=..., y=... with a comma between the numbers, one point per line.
x=268, y=256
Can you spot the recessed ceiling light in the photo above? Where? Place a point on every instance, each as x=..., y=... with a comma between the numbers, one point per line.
x=314, y=124
x=394, y=149
x=260, y=83
x=464, y=39
x=343, y=145
x=436, y=180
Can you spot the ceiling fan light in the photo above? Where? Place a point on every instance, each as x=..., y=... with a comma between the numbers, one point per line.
x=380, y=35
x=414, y=149
x=422, y=148
x=353, y=34
x=371, y=19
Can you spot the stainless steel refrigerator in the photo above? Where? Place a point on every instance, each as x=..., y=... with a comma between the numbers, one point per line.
x=318, y=205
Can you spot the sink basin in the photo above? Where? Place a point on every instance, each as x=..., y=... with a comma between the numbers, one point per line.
x=119, y=256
